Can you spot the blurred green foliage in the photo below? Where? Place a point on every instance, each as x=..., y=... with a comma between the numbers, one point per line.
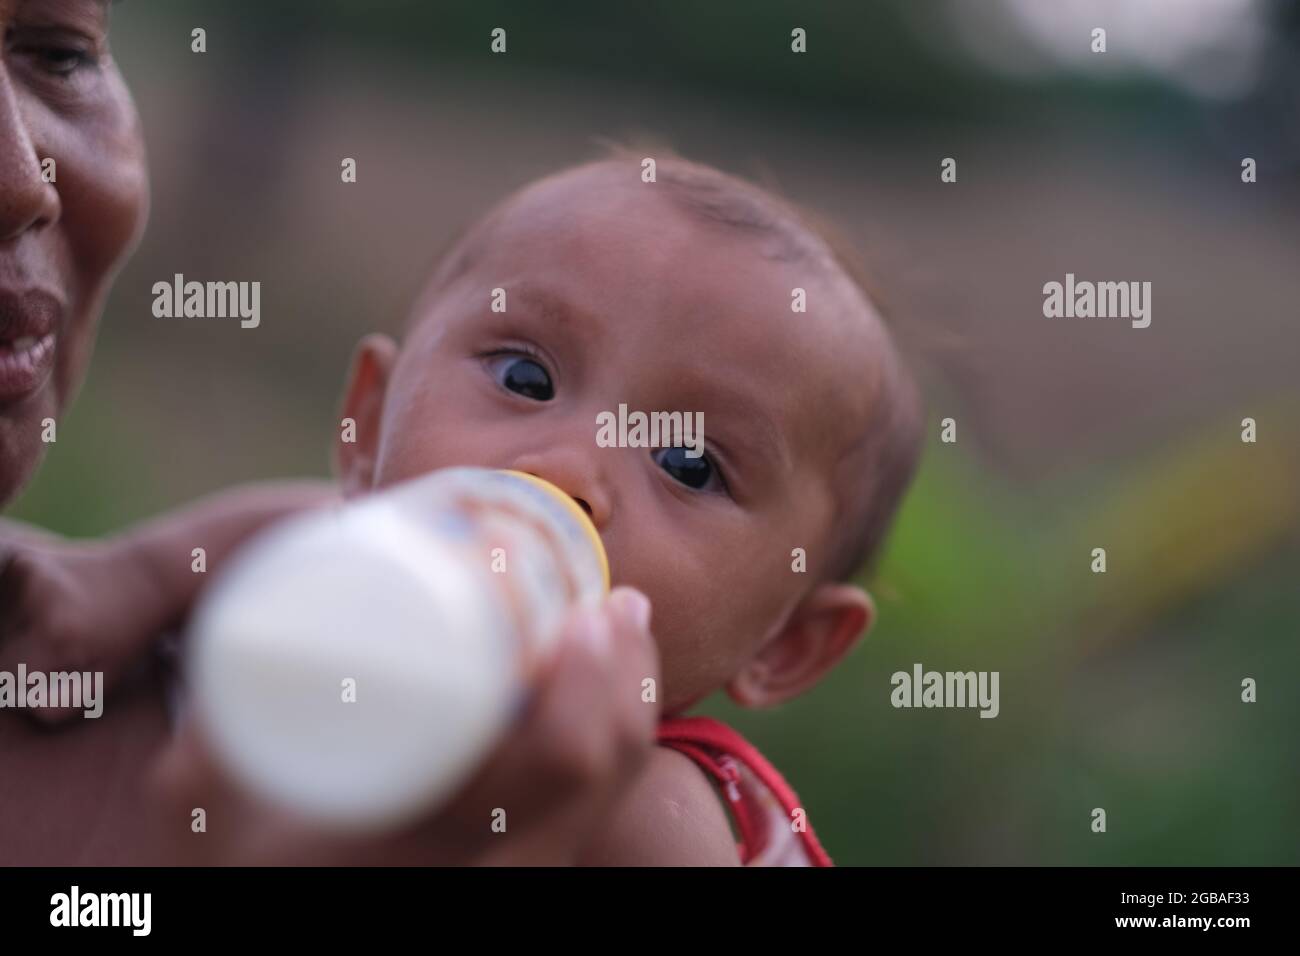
x=872, y=60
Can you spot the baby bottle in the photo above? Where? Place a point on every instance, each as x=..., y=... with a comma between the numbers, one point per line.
x=356, y=663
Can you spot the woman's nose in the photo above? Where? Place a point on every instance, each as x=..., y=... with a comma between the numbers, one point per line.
x=27, y=201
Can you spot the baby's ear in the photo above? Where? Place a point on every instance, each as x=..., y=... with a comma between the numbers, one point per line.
x=815, y=637
x=356, y=449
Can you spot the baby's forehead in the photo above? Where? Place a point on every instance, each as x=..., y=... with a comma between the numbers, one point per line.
x=702, y=284
x=597, y=203
x=683, y=196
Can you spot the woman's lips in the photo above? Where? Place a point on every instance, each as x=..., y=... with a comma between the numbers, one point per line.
x=25, y=364
x=28, y=335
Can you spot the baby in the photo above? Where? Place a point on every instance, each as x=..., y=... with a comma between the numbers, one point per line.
x=695, y=293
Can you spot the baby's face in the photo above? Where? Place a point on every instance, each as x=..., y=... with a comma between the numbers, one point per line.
x=615, y=296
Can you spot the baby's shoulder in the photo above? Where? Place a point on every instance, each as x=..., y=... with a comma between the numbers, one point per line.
x=671, y=816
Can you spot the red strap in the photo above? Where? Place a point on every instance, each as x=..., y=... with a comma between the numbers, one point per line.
x=708, y=742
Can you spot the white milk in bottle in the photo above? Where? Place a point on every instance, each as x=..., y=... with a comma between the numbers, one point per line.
x=356, y=663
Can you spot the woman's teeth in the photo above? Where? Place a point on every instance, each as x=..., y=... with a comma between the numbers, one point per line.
x=23, y=344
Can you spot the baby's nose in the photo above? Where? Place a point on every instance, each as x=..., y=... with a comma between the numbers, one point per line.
x=582, y=502
x=576, y=477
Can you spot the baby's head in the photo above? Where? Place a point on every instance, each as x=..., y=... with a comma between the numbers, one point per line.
x=673, y=295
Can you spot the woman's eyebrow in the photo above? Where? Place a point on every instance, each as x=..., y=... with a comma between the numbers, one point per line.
x=99, y=9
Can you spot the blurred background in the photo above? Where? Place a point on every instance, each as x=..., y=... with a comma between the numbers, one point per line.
x=1119, y=690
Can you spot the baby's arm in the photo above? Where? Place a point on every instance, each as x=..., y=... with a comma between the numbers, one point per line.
x=671, y=816
x=97, y=605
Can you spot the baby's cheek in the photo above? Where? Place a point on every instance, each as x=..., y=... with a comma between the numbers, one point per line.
x=726, y=594
x=706, y=633
x=688, y=670
x=422, y=446
x=427, y=426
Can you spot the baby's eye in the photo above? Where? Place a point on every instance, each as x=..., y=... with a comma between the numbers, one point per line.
x=522, y=375
x=698, y=473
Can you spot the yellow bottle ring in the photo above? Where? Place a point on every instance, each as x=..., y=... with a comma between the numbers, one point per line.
x=581, y=516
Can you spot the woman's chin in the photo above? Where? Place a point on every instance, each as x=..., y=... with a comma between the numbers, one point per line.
x=27, y=429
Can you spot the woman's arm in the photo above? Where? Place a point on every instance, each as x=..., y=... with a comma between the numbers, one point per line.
x=163, y=547
x=97, y=605
x=14, y=533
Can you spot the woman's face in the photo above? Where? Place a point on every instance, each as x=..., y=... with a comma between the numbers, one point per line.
x=73, y=199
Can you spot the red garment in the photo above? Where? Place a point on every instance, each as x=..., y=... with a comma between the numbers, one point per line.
x=774, y=830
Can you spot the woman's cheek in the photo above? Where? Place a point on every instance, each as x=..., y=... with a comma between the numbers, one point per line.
x=103, y=183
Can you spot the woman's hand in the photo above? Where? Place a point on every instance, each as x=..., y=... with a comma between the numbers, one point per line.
x=74, y=606
x=100, y=605
x=567, y=760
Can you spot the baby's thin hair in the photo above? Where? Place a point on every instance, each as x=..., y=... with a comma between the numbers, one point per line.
x=719, y=197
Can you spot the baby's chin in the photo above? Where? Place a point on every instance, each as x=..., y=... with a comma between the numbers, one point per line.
x=680, y=693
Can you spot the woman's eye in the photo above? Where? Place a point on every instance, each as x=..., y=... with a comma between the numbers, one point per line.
x=698, y=473
x=522, y=375
x=64, y=60
x=59, y=60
